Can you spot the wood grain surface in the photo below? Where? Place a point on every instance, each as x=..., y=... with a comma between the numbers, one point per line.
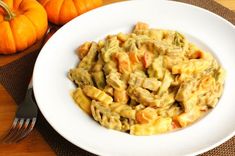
x=34, y=144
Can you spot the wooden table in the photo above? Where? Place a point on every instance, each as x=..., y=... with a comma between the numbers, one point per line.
x=34, y=144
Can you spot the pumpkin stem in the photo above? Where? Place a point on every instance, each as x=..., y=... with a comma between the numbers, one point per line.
x=9, y=14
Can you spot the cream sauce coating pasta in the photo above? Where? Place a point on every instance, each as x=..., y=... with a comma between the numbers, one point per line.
x=146, y=82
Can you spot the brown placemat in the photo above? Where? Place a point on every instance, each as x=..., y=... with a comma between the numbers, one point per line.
x=16, y=75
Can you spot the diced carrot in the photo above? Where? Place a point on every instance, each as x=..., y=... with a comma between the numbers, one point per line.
x=133, y=57
x=146, y=115
x=147, y=59
x=123, y=62
x=197, y=55
x=175, y=124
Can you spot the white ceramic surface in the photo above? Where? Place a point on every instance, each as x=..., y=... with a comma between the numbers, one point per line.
x=52, y=88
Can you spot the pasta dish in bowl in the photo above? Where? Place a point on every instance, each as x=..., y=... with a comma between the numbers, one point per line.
x=147, y=82
x=113, y=86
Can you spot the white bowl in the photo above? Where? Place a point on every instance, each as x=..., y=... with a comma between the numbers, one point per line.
x=52, y=88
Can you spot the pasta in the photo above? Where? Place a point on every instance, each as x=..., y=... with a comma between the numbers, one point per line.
x=147, y=82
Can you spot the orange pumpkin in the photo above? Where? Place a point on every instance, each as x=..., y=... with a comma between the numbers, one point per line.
x=22, y=23
x=61, y=11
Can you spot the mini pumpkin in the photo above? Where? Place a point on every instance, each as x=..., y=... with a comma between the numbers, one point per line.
x=61, y=11
x=22, y=23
